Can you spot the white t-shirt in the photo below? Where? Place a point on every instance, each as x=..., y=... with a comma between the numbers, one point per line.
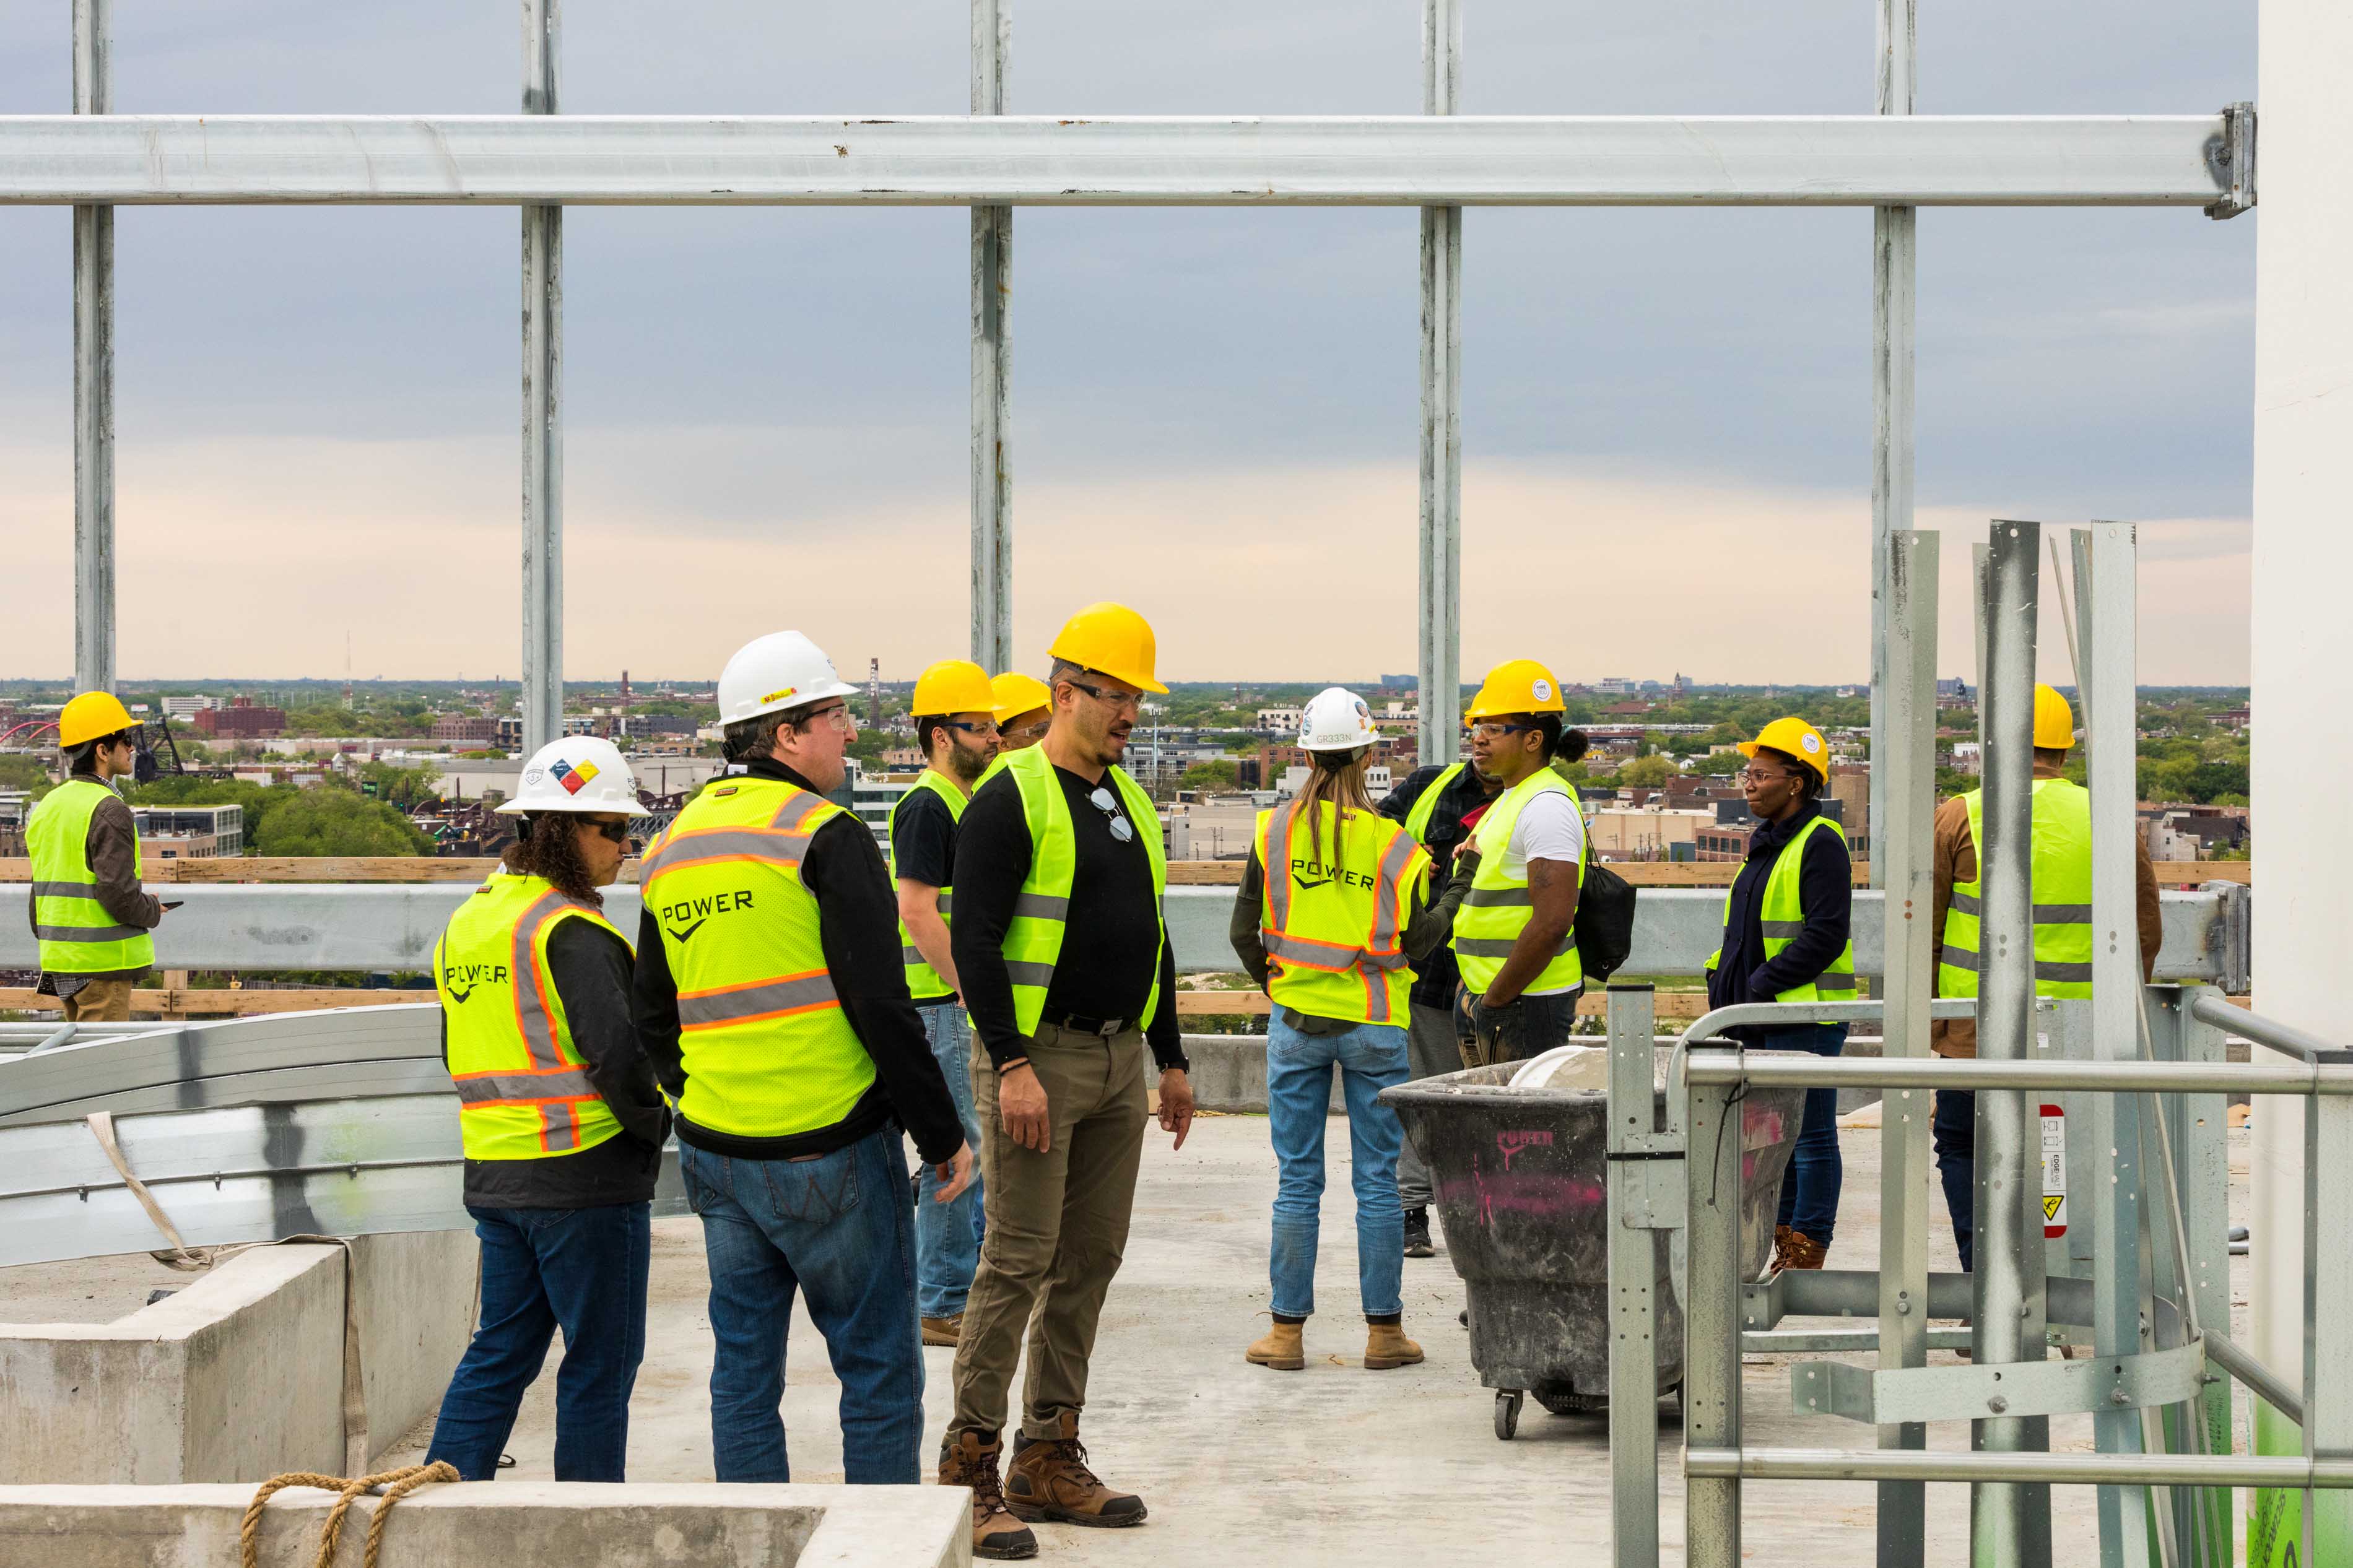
x=1550, y=827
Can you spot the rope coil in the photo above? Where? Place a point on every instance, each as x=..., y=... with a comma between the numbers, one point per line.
x=396, y=1484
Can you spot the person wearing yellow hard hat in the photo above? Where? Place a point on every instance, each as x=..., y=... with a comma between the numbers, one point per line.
x=956, y=725
x=1025, y=705
x=1785, y=920
x=1515, y=937
x=2061, y=872
x=1061, y=951
x=90, y=916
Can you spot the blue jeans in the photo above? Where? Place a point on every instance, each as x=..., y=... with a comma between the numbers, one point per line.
x=584, y=1270
x=947, y=1235
x=1954, y=1134
x=1371, y=1058
x=1809, y=1189
x=839, y=1227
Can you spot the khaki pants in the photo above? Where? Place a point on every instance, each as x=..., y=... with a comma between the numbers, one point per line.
x=1057, y=1227
x=100, y=1001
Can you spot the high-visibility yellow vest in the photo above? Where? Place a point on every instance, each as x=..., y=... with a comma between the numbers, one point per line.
x=1782, y=916
x=1033, y=939
x=1333, y=918
x=522, y=1092
x=924, y=982
x=767, y=1050
x=77, y=935
x=1498, y=907
x=1416, y=821
x=2061, y=858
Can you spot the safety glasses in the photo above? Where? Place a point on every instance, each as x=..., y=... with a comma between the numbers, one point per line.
x=1102, y=800
x=987, y=728
x=1117, y=702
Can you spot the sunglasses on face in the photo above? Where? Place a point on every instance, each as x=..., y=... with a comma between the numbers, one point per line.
x=616, y=832
x=1102, y=800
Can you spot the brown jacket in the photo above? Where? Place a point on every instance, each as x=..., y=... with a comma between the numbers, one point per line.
x=113, y=852
x=1955, y=859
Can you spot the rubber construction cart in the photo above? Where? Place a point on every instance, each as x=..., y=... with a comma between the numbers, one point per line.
x=1518, y=1176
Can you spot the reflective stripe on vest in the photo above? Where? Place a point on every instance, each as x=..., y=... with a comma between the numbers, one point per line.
x=764, y=1044
x=1416, y=821
x=76, y=936
x=1334, y=940
x=924, y=982
x=522, y=1092
x=1487, y=926
x=1782, y=916
x=2062, y=875
x=1033, y=938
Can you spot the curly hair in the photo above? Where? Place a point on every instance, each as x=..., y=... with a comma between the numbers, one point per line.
x=547, y=845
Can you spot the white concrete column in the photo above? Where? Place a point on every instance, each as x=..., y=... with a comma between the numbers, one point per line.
x=2301, y=649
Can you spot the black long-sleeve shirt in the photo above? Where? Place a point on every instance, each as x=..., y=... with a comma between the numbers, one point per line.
x=1111, y=942
x=1825, y=899
x=590, y=968
x=857, y=925
x=1428, y=921
x=1435, y=977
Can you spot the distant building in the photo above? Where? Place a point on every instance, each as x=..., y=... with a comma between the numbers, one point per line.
x=1954, y=693
x=1647, y=832
x=240, y=720
x=1280, y=721
x=188, y=707
x=1613, y=686
x=190, y=832
x=476, y=732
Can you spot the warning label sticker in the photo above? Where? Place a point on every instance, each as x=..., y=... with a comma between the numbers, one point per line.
x=2054, y=1172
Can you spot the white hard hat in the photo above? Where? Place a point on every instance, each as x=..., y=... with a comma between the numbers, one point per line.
x=1337, y=720
x=770, y=674
x=579, y=773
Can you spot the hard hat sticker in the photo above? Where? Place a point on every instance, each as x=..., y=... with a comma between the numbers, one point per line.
x=1812, y=742
x=780, y=693
x=531, y=777
x=1541, y=690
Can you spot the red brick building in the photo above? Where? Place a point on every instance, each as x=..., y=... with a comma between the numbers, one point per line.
x=242, y=721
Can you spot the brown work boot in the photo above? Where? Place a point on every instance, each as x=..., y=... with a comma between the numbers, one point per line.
x=966, y=1460
x=1281, y=1349
x=1385, y=1346
x=1805, y=1252
x=1049, y=1480
x=1781, y=1234
x=944, y=1331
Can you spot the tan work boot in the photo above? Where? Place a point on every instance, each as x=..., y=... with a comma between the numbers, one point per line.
x=1805, y=1252
x=944, y=1331
x=1049, y=1480
x=1281, y=1349
x=966, y=1461
x=1385, y=1346
x=1781, y=1234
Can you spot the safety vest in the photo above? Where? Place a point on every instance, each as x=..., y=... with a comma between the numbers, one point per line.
x=1416, y=821
x=2063, y=896
x=1783, y=916
x=1033, y=939
x=1498, y=907
x=924, y=982
x=767, y=1050
x=522, y=1093
x=1333, y=928
x=77, y=935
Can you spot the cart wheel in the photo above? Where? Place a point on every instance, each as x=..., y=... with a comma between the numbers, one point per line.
x=1507, y=1413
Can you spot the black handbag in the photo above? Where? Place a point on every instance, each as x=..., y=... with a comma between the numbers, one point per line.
x=1605, y=921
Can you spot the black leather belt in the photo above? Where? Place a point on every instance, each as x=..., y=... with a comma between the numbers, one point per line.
x=1079, y=1025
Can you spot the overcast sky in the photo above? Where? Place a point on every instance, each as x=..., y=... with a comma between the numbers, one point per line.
x=1666, y=414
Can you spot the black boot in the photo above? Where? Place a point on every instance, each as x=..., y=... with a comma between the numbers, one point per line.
x=1417, y=1234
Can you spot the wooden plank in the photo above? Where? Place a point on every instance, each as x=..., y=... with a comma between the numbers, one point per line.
x=184, y=1004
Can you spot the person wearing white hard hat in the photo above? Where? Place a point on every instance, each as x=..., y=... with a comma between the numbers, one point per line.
x=1335, y=908
x=561, y=1122
x=771, y=996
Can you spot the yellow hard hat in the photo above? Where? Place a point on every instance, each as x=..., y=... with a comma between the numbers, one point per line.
x=2054, y=721
x=1516, y=686
x=90, y=715
x=1017, y=694
x=954, y=686
x=1110, y=639
x=1791, y=737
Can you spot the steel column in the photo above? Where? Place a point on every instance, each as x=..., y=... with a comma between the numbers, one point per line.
x=2105, y=615
x=1904, y=762
x=1711, y=1321
x=542, y=428
x=1442, y=411
x=1895, y=233
x=93, y=338
x=1633, y=1149
x=992, y=367
x=2005, y=965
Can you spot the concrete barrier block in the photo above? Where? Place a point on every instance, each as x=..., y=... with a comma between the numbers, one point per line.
x=417, y=1297
x=1230, y=1073
x=511, y=1523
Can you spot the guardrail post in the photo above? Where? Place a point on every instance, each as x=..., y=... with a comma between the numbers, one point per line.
x=1632, y=1145
x=1711, y=1321
x=2201, y=1178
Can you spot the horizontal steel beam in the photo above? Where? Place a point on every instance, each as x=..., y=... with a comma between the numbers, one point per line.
x=390, y=926
x=1715, y=1065
x=1032, y=160
x=2053, y=1470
